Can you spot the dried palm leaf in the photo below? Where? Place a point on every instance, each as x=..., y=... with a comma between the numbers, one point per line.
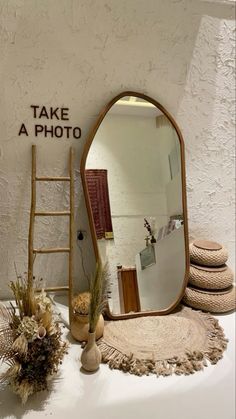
x=10, y=372
x=6, y=333
x=6, y=351
x=8, y=326
x=6, y=317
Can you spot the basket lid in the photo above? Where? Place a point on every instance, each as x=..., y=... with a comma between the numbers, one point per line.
x=207, y=245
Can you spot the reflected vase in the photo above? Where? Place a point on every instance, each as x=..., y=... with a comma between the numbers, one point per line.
x=91, y=356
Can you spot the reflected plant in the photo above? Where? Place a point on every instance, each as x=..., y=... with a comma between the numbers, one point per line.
x=81, y=303
x=151, y=228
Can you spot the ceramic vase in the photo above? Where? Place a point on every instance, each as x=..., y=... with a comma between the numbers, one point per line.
x=80, y=327
x=91, y=356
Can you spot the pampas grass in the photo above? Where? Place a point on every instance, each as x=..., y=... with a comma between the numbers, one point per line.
x=24, y=296
x=98, y=292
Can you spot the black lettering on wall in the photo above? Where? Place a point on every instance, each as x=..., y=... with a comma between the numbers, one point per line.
x=38, y=129
x=78, y=130
x=51, y=113
x=23, y=130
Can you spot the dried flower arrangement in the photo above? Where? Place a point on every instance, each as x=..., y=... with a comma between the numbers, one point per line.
x=30, y=341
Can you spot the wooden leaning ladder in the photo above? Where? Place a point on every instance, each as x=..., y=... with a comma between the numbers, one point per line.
x=34, y=213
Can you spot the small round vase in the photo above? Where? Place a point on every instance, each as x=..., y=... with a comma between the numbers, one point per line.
x=80, y=327
x=91, y=356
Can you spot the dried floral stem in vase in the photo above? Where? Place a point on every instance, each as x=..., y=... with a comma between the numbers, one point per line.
x=91, y=355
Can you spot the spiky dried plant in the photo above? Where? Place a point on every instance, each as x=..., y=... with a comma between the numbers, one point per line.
x=24, y=299
x=98, y=290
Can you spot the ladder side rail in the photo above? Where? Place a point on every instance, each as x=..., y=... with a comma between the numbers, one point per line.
x=71, y=232
x=32, y=220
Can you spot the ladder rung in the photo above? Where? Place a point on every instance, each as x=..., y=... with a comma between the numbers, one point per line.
x=47, y=213
x=53, y=250
x=50, y=289
x=53, y=178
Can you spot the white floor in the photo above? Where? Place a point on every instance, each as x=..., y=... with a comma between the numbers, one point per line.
x=114, y=395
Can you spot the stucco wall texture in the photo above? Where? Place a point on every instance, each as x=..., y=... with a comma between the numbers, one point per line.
x=80, y=54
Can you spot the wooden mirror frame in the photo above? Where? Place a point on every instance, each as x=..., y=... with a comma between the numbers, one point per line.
x=87, y=146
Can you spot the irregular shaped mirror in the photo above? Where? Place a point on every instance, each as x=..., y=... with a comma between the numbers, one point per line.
x=134, y=182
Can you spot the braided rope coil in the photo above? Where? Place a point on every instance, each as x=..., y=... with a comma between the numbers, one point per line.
x=208, y=257
x=210, y=280
x=212, y=302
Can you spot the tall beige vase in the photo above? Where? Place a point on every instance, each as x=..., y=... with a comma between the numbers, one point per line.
x=91, y=356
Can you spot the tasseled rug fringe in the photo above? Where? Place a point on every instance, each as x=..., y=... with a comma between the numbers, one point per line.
x=191, y=361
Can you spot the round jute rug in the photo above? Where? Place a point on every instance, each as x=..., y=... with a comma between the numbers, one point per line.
x=180, y=343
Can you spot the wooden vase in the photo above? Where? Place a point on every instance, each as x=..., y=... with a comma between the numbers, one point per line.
x=91, y=356
x=80, y=327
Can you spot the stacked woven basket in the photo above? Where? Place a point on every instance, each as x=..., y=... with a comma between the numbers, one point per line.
x=210, y=286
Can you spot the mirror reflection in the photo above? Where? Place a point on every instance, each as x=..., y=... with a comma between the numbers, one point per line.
x=133, y=176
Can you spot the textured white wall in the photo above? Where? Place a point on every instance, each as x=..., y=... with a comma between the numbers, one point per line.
x=80, y=54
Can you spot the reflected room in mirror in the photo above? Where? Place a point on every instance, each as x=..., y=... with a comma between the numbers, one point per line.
x=134, y=180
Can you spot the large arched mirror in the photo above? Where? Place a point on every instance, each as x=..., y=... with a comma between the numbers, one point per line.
x=133, y=173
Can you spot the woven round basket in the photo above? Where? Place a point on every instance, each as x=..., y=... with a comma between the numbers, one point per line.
x=213, y=301
x=211, y=254
x=211, y=279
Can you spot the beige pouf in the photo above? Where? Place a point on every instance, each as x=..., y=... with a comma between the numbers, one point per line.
x=213, y=301
x=207, y=253
x=210, y=278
